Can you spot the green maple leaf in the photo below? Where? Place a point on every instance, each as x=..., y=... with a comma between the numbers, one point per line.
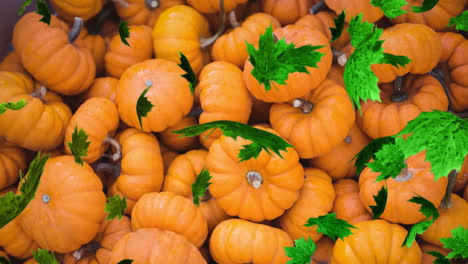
x=124, y=32
x=4, y=260
x=189, y=75
x=23, y=6
x=440, y=258
x=79, y=146
x=415, y=230
x=427, y=207
x=394, y=60
x=261, y=139
x=12, y=106
x=275, y=60
x=43, y=10
x=429, y=210
x=426, y=6
x=389, y=161
x=126, y=261
x=458, y=243
x=380, y=202
x=369, y=152
x=200, y=186
x=391, y=8
x=44, y=256
x=115, y=207
x=331, y=226
x=11, y=205
x=460, y=21
x=302, y=252
x=143, y=106
x=339, y=26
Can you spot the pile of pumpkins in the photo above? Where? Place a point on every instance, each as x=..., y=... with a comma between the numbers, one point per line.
x=84, y=76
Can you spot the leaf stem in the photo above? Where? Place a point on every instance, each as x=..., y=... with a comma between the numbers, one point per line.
x=118, y=149
x=318, y=7
x=76, y=29
x=122, y=3
x=398, y=95
x=233, y=19
x=439, y=74
x=452, y=178
x=205, y=42
x=305, y=105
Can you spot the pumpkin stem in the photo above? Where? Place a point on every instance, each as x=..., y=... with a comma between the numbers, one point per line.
x=205, y=42
x=306, y=106
x=318, y=7
x=94, y=25
x=122, y=3
x=340, y=57
x=104, y=167
x=195, y=112
x=45, y=198
x=152, y=4
x=118, y=149
x=452, y=178
x=439, y=74
x=255, y=179
x=207, y=196
x=76, y=29
x=86, y=250
x=398, y=95
x=39, y=93
x=233, y=19
x=405, y=175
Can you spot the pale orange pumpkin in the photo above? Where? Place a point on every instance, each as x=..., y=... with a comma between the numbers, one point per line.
x=16, y=242
x=12, y=161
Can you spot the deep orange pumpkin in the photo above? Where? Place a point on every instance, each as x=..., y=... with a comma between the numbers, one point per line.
x=347, y=204
x=86, y=9
x=12, y=161
x=287, y=11
x=143, y=12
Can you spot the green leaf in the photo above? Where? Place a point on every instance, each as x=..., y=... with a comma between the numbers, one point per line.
x=79, y=146
x=200, y=186
x=460, y=21
x=458, y=243
x=339, y=26
x=380, y=202
x=427, y=207
x=275, y=60
x=11, y=205
x=391, y=8
x=389, y=161
x=447, y=150
x=302, y=252
x=426, y=6
x=261, y=139
x=369, y=151
x=331, y=226
x=440, y=258
x=126, y=261
x=43, y=10
x=4, y=260
x=23, y=6
x=44, y=256
x=415, y=230
x=395, y=60
x=115, y=207
x=124, y=32
x=143, y=106
x=12, y=106
x=189, y=75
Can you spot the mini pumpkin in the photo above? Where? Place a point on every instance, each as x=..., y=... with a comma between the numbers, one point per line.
x=16, y=242
x=105, y=87
x=69, y=9
x=324, y=251
x=287, y=12
x=176, y=142
x=213, y=6
x=12, y=161
x=143, y=12
x=427, y=258
x=347, y=204
x=96, y=44
x=12, y=63
x=353, y=8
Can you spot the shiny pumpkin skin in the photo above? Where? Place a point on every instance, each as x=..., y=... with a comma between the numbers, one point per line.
x=418, y=42
x=177, y=142
x=110, y=233
x=286, y=11
x=136, y=179
x=169, y=93
x=179, y=29
x=339, y=162
x=41, y=124
x=347, y=204
x=384, y=240
x=103, y=87
x=137, y=12
x=352, y=8
x=12, y=161
x=46, y=53
x=317, y=132
x=99, y=118
x=173, y=212
x=69, y=9
x=454, y=216
x=219, y=84
x=15, y=241
x=317, y=187
x=437, y=18
x=153, y=246
x=231, y=46
x=212, y=6
x=96, y=45
x=298, y=84
x=261, y=243
x=398, y=209
x=454, y=64
x=387, y=118
x=231, y=188
x=69, y=201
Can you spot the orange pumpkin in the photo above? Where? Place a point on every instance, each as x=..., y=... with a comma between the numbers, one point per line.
x=110, y=233
x=169, y=93
x=286, y=11
x=298, y=83
x=385, y=240
x=324, y=251
x=421, y=93
x=153, y=246
x=176, y=142
x=96, y=45
x=74, y=258
x=40, y=125
x=15, y=241
x=136, y=177
x=212, y=6
x=260, y=243
x=51, y=56
x=316, y=124
x=182, y=29
x=12, y=63
x=221, y=84
x=418, y=42
x=417, y=178
x=427, y=258
x=167, y=156
x=102, y=87
x=231, y=46
x=86, y=9
x=12, y=161
x=317, y=187
x=143, y=12
x=71, y=195
x=249, y=189
x=173, y=212
x=347, y=204
x=99, y=118
x=353, y=8
x=339, y=162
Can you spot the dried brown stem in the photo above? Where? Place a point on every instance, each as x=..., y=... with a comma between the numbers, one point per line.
x=152, y=4
x=305, y=106
x=452, y=178
x=318, y=7
x=205, y=42
x=439, y=74
x=233, y=19
x=39, y=93
x=76, y=29
x=117, y=149
x=399, y=95
x=255, y=179
x=121, y=3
